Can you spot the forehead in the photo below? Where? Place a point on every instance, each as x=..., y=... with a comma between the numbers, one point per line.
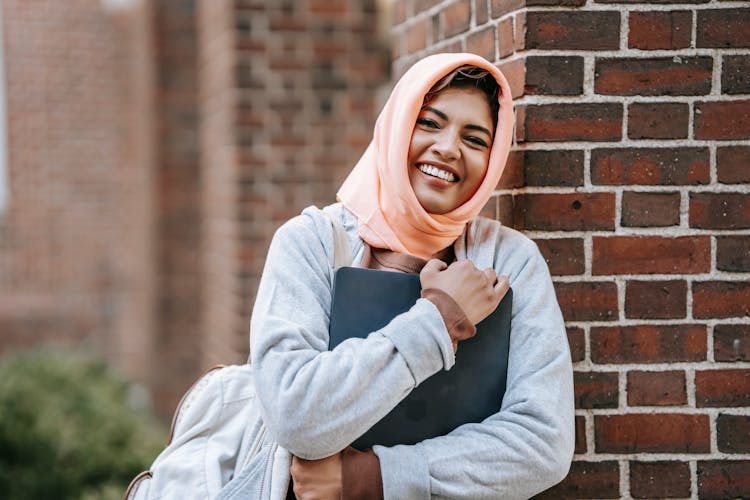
x=463, y=103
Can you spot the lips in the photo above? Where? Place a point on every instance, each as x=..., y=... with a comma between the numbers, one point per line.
x=435, y=171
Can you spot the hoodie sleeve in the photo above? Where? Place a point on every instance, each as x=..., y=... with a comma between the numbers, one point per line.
x=316, y=402
x=527, y=446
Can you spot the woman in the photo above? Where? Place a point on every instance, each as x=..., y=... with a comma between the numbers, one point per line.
x=410, y=204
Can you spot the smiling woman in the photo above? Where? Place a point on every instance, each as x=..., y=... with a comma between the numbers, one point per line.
x=412, y=204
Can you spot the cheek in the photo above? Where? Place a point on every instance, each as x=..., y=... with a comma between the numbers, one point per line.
x=479, y=163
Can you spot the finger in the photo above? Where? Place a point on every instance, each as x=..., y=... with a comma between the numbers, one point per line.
x=434, y=266
x=502, y=286
x=491, y=276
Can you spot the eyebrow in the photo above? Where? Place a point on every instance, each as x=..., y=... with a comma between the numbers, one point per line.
x=469, y=126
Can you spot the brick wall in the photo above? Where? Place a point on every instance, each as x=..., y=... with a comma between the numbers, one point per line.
x=75, y=240
x=631, y=170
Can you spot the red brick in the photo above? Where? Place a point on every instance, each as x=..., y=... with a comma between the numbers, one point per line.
x=555, y=3
x=573, y=30
x=577, y=342
x=595, y=389
x=573, y=122
x=335, y=7
x=649, y=1
x=723, y=28
x=505, y=208
x=660, y=30
x=581, y=446
x=513, y=173
x=722, y=388
x=285, y=22
x=724, y=120
x=720, y=479
x=519, y=31
x=482, y=43
x=659, y=479
x=658, y=76
x=735, y=75
x=656, y=299
x=416, y=36
x=656, y=388
x=501, y=7
x=565, y=212
x=650, y=166
x=720, y=210
x=520, y=119
x=721, y=299
x=733, y=253
x=456, y=18
x=650, y=209
x=505, y=37
x=588, y=301
x=554, y=75
x=648, y=344
x=652, y=433
x=658, y=120
x=733, y=433
x=731, y=342
x=733, y=164
x=422, y=5
x=398, y=12
x=651, y=255
x=553, y=168
x=564, y=256
x=481, y=12
x=587, y=480
x=514, y=71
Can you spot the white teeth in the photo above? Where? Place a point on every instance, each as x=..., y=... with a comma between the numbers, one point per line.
x=436, y=172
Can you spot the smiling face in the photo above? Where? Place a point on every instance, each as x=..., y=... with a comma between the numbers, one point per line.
x=450, y=148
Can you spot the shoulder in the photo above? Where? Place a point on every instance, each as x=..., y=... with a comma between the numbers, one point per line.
x=312, y=231
x=309, y=233
x=491, y=239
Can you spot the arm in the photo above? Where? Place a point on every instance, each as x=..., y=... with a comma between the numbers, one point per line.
x=315, y=402
x=528, y=445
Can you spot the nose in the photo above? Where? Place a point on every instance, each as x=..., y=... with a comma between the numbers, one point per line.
x=447, y=145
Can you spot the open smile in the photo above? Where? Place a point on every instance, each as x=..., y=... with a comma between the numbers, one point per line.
x=434, y=171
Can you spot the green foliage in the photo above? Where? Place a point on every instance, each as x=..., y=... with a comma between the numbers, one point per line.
x=67, y=429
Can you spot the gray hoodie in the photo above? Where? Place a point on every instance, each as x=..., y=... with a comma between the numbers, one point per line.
x=316, y=402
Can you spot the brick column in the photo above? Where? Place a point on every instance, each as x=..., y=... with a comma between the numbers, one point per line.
x=289, y=103
x=631, y=171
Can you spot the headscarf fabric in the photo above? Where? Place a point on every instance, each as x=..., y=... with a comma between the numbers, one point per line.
x=378, y=191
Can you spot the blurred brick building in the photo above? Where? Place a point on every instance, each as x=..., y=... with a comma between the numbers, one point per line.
x=153, y=147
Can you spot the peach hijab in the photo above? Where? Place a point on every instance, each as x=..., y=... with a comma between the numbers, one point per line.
x=378, y=191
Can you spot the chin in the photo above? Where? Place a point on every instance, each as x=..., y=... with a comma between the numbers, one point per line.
x=435, y=208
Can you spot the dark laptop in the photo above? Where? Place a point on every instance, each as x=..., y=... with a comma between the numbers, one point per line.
x=365, y=300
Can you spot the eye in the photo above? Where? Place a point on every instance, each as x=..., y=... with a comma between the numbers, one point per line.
x=477, y=141
x=427, y=122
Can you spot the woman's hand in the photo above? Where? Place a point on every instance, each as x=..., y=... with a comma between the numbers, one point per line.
x=477, y=292
x=317, y=479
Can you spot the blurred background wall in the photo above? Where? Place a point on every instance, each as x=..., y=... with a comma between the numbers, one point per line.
x=153, y=148
x=154, y=145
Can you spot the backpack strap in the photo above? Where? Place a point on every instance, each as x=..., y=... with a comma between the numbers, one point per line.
x=342, y=254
